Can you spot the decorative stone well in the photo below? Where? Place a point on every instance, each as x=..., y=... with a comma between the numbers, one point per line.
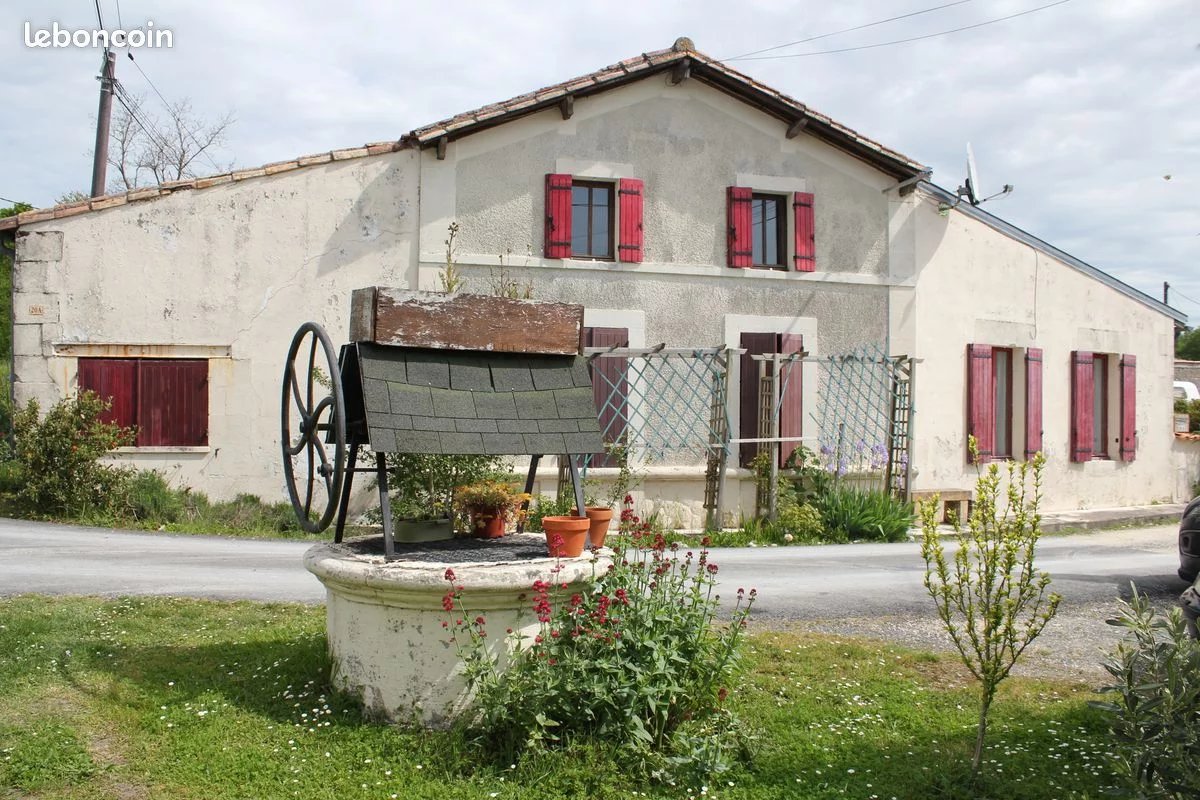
x=384, y=618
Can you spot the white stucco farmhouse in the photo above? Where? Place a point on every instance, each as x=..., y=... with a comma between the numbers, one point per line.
x=678, y=201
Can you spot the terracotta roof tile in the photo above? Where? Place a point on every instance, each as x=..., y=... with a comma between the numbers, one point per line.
x=215, y=180
x=109, y=201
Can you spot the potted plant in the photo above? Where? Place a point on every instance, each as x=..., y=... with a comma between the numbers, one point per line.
x=600, y=516
x=565, y=536
x=490, y=505
x=417, y=522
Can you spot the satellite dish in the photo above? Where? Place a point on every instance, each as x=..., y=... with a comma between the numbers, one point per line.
x=970, y=191
x=972, y=186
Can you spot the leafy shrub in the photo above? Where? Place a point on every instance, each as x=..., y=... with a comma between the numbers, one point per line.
x=150, y=499
x=635, y=663
x=1155, y=704
x=855, y=514
x=58, y=458
x=546, y=506
x=422, y=486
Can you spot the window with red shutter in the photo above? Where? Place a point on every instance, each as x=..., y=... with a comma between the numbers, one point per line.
x=741, y=226
x=165, y=399
x=1128, y=407
x=1033, y=402
x=1082, y=402
x=805, y=257
x=981, y=419
x=558, y=216
x=610, y=388
x=629, y=247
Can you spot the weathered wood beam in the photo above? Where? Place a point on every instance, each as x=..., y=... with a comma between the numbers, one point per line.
x=794, y=129
x=441, y=148
x=567, y=106
x=681, y=71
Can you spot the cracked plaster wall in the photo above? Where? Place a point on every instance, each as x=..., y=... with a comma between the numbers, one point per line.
x=229, y=272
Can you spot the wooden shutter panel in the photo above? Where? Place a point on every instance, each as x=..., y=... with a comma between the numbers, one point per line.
x=1128, y=407
x=806, y=245
x=610, y=388
x=741, y=226
x=558, y=216
x=629, y=248
x=791, y=405
x=981, y=396
x=755, y=344
x=115, y=380
x=172, y=402
x=1082, y=389
x=1033, y=402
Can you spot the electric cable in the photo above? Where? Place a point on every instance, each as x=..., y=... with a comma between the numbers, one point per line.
x=849, y=30
x=910, y=39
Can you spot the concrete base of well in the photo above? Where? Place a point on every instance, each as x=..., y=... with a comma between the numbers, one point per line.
x=384, y=619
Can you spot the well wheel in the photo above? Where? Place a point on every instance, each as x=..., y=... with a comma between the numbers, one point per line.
x=313, y=422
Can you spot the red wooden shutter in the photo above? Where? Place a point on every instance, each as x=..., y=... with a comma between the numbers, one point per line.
x=610, y=388
x=172, y=402
x=755, y=344
x=1128, y=407
x=1033, y=402
x=981, y=400
x=1082, y=390
x=114, y=379
x=806, y=245
x=791, y=405
x=558, y=216
x=741, y=226
x=629, y=248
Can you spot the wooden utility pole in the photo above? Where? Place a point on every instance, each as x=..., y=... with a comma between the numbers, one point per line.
x=103, y=115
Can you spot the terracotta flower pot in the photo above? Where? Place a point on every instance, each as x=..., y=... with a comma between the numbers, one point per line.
x=598, y=518
x=487, y=524
x=565, y=536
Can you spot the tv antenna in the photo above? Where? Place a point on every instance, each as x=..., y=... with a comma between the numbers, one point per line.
x=969, y=191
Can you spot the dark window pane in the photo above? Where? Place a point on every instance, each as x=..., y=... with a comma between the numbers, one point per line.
x=600, y=238
x=1099, y=406
x=757, y=231
x=770, y=232
x=1001, y=360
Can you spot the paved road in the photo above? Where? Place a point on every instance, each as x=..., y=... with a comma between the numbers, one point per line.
x=794, y=583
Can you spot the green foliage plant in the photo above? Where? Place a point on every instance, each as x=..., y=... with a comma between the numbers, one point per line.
x=58, y=457
x=1154, y=704
x=451, y=276
x=628, y=477
x=991, y=599
x=422, y=485
x=1187, y=346
x=636, y=663
x=852, y=514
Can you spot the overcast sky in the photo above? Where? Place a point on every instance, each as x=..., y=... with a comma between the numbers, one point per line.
x=1091, y=108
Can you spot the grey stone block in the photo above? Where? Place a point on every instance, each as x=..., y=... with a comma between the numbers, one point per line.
x=470, y=376
x=419, y=442
x=449, y=403
x=575, y=403
x=517, y=426
x=535, y=405
x=583, y=443
x=475, y=425
x=30, y=276
x=425, y=369
x=462, y=443
x=376, y=396
x=544, y=443
x=39, y=245
x=432, y=424
x=490, y=405
x=27, y=340
x=514, y=378
x=503, y=444
x=414, y=400
x=383, y=440
x=558, y=426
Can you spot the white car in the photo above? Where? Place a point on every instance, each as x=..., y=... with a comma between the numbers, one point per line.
x=1186, y=390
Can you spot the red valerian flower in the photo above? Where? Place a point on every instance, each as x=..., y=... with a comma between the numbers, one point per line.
x=712, y=569
x=449, y=575
x=448, y=601
x=479, y=620
x=722, y=693
x=628, y=498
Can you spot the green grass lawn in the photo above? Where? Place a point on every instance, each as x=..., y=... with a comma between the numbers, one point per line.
x=171, y=698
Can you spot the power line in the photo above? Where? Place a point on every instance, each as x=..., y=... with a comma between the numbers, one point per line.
x=13, y=202
x=913, y=38
x=100, y=16
x=1178, y=293
x=850, y=30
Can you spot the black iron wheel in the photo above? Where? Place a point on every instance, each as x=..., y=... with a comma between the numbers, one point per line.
x=313, y=423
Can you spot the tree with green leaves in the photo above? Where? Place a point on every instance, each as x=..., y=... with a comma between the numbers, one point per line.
x=990, y=598
x=1187, y=346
